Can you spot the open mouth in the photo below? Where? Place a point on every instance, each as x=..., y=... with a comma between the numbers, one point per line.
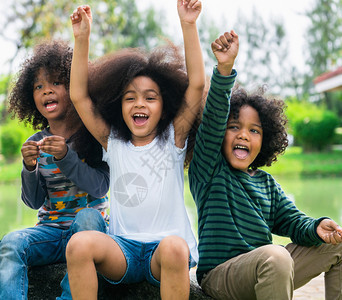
x=140, y=119
x=50, y=105
x=240, y=152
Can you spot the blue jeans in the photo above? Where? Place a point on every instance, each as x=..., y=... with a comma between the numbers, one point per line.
x=37, y=246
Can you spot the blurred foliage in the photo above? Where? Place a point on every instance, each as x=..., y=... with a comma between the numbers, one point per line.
x=323, y=35
x=3, y=83
x=296, y=162
x=312, y=126
x=333, y=100
x=12, y=135
x=116, y=24
x=208, y=31
x=338, y=136
x=4, y=80
x=323, y=46
x=264, y=59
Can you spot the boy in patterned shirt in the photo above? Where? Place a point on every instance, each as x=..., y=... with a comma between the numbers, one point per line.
x=63, y=175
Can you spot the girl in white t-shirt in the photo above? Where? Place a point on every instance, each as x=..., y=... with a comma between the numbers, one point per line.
x=140, y=107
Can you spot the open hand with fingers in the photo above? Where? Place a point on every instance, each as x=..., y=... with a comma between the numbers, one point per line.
x=330, y=232
x=225, y=49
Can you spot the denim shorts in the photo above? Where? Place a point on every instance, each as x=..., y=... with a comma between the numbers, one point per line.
x=138, y=257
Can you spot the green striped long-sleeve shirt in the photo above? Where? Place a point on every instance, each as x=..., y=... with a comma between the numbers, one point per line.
x=236, y=212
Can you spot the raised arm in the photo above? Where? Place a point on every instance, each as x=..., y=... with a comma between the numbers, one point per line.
x=212, y=129
x=188, y=12
x=81, y=23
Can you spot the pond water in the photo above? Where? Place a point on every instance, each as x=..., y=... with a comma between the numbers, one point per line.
x=314, y=196
x=14, y=214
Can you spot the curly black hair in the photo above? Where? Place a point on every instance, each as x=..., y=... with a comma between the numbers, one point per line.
x=273, y=121
x=111, y=74
x=54, y=57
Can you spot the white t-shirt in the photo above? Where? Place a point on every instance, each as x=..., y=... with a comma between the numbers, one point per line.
x=147, y=191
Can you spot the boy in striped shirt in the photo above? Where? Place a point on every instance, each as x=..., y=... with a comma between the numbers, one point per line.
x=240, y=207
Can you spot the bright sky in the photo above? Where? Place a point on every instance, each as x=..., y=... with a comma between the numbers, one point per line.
x=290, y=11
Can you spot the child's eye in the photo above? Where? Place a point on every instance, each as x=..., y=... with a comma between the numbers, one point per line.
x=255, y=131
x=231, y=127
x=38, y=87
x=56, y=83
x=150, y=98
x=129, y=99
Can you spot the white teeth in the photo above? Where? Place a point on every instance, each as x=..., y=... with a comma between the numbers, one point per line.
x=241, y=147
x=140, y=115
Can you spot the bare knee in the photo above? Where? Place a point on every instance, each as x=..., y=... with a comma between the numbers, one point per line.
x=174, y=251
x=79, y=246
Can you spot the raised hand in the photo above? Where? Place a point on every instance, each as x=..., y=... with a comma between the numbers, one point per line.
x=30, y=153
x=329, y=232
x=81, y=20
x=54, y=145
x=225, y=49
x=189, y=10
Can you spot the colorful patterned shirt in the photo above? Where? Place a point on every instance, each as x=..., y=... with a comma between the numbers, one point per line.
x=60, y=189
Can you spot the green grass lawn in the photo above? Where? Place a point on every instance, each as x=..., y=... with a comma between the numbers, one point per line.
x=10, y=170
x=296, y=163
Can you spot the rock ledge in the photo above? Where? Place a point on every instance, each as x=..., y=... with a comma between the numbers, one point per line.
x=44, y=285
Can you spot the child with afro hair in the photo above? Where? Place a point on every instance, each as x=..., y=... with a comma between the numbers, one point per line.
x=240, y=206
x=63, y=175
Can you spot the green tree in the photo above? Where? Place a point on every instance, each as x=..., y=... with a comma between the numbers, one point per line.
x=116, y=24
x=119, y=24
x=323, y=35
x=3, y=92
x=324, y=45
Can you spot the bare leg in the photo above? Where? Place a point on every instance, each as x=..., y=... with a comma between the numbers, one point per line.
x=170, y=265
x=86, y=252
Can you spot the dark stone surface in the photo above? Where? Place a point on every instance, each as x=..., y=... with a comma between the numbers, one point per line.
x=44, y=285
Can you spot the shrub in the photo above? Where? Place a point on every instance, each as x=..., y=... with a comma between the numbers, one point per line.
x=312, y=126
x=315, y=132
x=10, y=141
x=338, y=136
x=12, y=136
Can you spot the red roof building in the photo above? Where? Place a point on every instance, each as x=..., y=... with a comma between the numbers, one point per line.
x=329, y=81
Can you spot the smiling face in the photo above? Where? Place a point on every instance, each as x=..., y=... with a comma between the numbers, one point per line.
x=243, y=139
x=50, y=96
x=142, y=108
